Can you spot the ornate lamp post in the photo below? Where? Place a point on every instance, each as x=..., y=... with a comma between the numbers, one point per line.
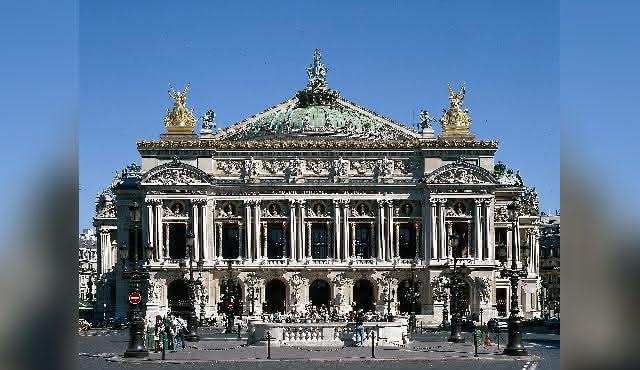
x=439, y=288
x=388, y=297
x=456, y=282
x=514, y=274
x=412, y=295
x=228, y=297
x=136, y=346
x=203, y=294
x=192, y=321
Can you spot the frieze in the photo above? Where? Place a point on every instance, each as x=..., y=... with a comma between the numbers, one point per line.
x=274, y=167
x=230, y=167
x=319, y=167
x=460, y=172
x=364, y=167
x=500, y=214
x=284, y=144
x=251, y=170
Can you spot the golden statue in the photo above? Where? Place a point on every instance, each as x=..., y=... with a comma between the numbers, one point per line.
x=456, y=120
x=180, y=119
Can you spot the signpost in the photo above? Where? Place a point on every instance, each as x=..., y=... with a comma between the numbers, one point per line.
x=135, y=298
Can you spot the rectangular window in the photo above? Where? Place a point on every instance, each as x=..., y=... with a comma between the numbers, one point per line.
x=177, y=240
x=230, y=241
x=275, y=241
x=407, y=240
x=363, y=241
x=133, y=244
x=319, y=244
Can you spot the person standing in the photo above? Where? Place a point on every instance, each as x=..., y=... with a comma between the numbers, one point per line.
x=359, y=328
x=182, y=330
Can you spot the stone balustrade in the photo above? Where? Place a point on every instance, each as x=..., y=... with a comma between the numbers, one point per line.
x=325, y=334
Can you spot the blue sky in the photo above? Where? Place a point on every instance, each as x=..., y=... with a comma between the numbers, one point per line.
x=395, y=58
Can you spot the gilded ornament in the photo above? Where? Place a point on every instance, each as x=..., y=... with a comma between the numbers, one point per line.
x=455, y=121
x=180, y=119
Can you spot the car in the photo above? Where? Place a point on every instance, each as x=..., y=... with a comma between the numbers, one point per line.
x=553, y=322
x=83, y=325
x=498, y=324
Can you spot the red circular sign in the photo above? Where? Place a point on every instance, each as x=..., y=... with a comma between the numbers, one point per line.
x=135, y=298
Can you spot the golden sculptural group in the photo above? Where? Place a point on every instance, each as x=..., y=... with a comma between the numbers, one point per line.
x=456, y=120
x=180, y=119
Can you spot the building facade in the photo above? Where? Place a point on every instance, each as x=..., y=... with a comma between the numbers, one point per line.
x=316, y=200
x=550, y=265
x=87, y=272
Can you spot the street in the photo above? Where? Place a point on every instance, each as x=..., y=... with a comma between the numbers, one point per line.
x=98, y=347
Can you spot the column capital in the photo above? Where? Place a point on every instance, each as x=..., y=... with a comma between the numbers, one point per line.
x=153, y=201
x=344, y=203
x=478, y=201
x=199, y=201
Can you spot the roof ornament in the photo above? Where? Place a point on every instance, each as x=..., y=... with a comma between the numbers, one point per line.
x=180, y=119
x=317, y=72
x=425, y=120
x=317, y=93
x=208, y=122
x=456, y=121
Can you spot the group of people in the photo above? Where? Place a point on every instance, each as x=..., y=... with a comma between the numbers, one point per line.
x=166, y=333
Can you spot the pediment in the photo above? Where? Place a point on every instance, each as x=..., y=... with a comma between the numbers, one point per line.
x=462, y=173
x=175, y=173
x=334, y=120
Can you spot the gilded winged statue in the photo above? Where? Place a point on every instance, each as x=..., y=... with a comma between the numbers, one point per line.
x=180, y=118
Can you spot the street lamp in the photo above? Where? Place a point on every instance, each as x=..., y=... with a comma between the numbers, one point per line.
x=514, y=274
x=412, y=294
x=192, y=320
x=457, y=279
x=228, y=298
x=137, y=347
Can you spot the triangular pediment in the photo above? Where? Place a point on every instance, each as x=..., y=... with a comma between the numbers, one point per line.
x=297, y=119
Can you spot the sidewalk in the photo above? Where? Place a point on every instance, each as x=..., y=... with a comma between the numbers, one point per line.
x=221, y=349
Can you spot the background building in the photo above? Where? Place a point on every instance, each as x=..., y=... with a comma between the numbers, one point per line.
x=316, y=200
x=87, y=268
x=550, y=265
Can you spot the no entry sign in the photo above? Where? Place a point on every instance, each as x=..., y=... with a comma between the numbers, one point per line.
x=134, y=298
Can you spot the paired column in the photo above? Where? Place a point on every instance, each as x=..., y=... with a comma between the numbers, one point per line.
x=433, y=219
x=149, y=234
x=166, y=240
x=380, y=228
x=195, y=205
x=489, y=229
x=263, y=245
x=256, y=229
x=424, y=230
x=389, y=230
x=345, y=227
x=293, y=235
x=442, y=203
x=477, y=221
x=336, y=228
x=247, y=222
x=159, y=246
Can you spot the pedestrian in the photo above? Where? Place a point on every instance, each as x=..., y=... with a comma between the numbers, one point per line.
x=182, y=330
x=168, y=329
x=157, y=334
x=151, y=333
x=359, y=328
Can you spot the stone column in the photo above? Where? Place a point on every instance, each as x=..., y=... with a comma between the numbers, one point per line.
x=477, y=221
x=196, y=232
x=205, y=228
x=242, y=240
x=308, y=240
x=391, y=238
x=396, y=240
x=372, y=240
x=104, y=250
x=298, y=231
x=345, y=226
x=219, y=240
x=303, y=244
x=336, y=230
x=441, y=229
x=329, y=241
x=292, y=231
x=247, y=223
x=263, y=247
x=380, y=230
x=256, y=229
x=424, y=230
x=166, y=240
x=149, y=234
x=352, y=251
x=490, y=233
x=159, y=232
x=435, y=250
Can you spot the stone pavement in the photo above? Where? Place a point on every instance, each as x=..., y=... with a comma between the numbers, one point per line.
x=223, y=349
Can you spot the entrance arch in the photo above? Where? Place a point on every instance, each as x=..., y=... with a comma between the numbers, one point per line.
x=178, y=297
x=319, y=293
x=275, y=293
x=363, y=296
